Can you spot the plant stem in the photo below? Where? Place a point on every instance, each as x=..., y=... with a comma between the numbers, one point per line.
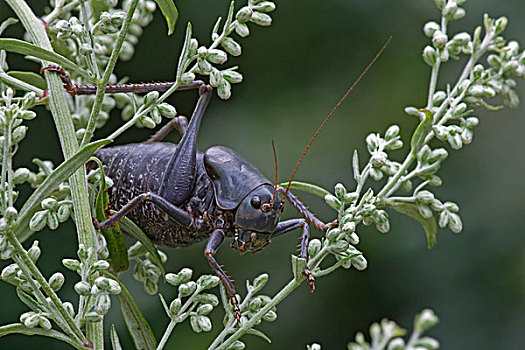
x=58, y=11
x=167, y=333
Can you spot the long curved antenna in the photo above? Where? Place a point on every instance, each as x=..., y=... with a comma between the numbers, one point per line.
x=276, y=174
x=334, y=109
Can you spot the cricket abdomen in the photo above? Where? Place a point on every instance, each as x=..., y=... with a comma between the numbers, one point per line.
x=140, y=168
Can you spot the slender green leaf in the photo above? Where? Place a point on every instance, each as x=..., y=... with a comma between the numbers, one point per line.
x=429, y=224
x=28, y=300
x=258, y=333
x=18, y=328
x=137, y=325
x=118, y=252
x=184, y=53
x=30, y=78
x=306, y=187
x=170, y=12
x=134, y=231
x=25, y=48
x=115, y=341
x=421, y=131
x=298, y=266
x=18, y=84
x=59, y=175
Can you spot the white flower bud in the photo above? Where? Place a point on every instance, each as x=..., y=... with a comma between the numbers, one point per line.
x=231, y=46
x=56, y=281
x=187, y=289
x=430, y=28
x=501, y=24
x=261, y=19
x=439, y=39
x=217, y=56
x=242, y=29
x=187, y=78
x=244, y=14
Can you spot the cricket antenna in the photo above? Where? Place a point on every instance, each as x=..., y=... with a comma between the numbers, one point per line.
x=276, y=175
x=334, y=109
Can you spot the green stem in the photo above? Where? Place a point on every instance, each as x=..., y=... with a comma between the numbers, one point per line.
x=59, y=11
x=7, y=164
x=101, y=86
x=167, y=334
x=144, y=111
x=188, y=305
x=90, y=59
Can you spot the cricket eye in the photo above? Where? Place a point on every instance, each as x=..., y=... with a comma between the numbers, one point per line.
x=255, y=202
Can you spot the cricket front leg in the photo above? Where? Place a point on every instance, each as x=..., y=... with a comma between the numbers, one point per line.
x=217, y=237
x=290, y=225
x=303, y=210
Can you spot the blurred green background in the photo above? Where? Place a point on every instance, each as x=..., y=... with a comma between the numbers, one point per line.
x=294, y=73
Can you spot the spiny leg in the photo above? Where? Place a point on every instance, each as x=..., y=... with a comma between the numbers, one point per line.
x=74, y=89
x=178, y=215
x=303, y=210
x=290, y=225
x=215, y=241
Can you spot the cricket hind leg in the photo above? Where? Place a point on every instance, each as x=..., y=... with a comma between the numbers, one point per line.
x=217, y=237
x=180, y=175
x=178, y=215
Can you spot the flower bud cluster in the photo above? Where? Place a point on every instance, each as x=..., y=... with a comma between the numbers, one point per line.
x=456, y=135
x=32, y=319
x=390, y=334
x=253, y=304
x=53, y=213
x=13, y=273
x=377, y=145
x=92, y=284
x=110, y=23
x=12, y=132
x=207, y=58
x=198, y=305
x=428, y=163
x=69, y=28
x=499, y=79
x=146, y=270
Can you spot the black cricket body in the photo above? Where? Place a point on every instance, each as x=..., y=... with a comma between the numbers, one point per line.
x=225, y=185
x=179, y=196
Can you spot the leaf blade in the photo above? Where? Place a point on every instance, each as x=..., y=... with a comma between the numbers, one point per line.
x=138, y=327
x=421, y=132
x=61, y=173
x=30, y=78
x=25, y=48
x=307, y=187
x=170, y=13
x=428, y=224
x=136, y=232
